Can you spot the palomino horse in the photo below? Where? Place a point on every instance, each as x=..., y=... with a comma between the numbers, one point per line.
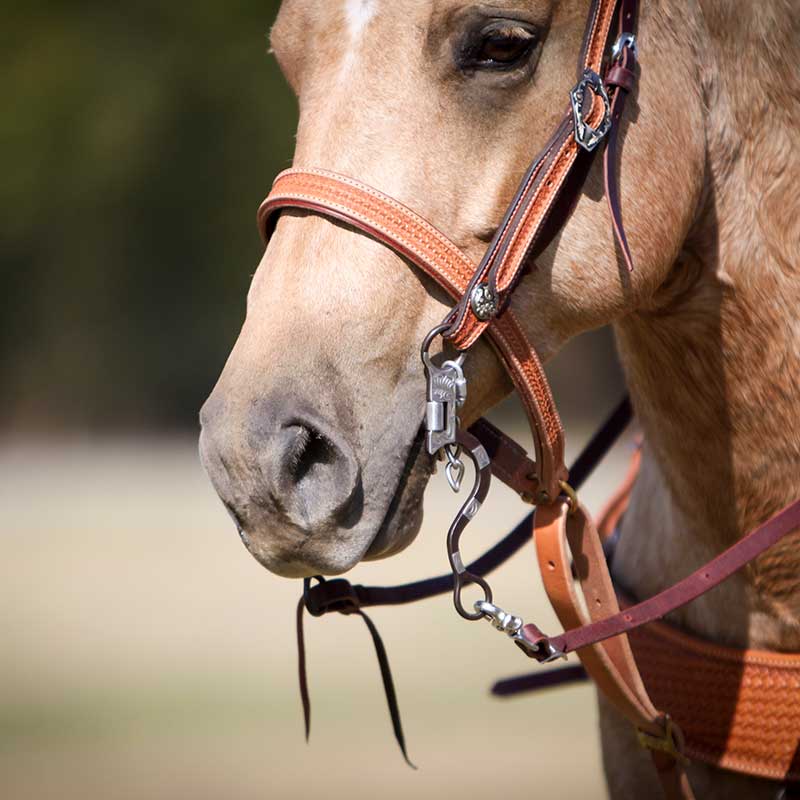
x=312, y=435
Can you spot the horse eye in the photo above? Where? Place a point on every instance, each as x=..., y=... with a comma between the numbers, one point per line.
x=503, y=47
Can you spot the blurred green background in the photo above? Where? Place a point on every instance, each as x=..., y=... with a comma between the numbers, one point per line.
x=145, y=655
x=137, y=142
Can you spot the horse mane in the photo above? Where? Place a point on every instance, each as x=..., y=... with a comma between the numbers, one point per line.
x=751, y=85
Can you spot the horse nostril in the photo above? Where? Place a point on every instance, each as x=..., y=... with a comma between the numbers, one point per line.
x=319, y=478
x=306, y=451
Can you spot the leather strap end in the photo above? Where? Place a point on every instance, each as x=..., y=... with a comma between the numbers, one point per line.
x=622, y=77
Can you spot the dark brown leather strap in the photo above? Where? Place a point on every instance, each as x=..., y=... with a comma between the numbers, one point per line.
x=700, y=581
x=510, y=462
x=383, y=663
x=622, y=78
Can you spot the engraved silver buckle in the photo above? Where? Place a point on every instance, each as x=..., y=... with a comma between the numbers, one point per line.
x=446, y=393
x=585, y=135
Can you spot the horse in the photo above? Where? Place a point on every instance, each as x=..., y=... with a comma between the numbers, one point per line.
x=312, y=436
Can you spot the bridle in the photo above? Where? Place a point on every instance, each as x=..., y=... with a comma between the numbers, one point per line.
x=607, y=73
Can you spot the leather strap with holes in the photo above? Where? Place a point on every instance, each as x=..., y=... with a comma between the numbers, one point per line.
x=711, y=574
x=567, y=540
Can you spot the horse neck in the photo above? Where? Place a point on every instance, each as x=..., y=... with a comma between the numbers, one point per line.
x=713, y=364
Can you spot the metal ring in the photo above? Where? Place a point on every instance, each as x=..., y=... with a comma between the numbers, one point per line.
x=428, y=340
x=460, y=580
x=571, y=494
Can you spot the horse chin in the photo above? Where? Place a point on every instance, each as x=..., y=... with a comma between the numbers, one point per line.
x=331, y=555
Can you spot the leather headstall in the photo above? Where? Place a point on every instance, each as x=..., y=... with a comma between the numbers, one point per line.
x=567, y=542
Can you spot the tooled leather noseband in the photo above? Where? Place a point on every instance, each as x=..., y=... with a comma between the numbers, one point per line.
x=482, y=293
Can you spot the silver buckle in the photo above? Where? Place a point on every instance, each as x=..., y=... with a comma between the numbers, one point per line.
x=624, y=40
x=585, y=135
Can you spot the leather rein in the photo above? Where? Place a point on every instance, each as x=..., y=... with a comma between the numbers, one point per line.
x=565, y=535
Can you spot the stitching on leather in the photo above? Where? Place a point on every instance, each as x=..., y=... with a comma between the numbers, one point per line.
x=421, y=221
x=453, y=257
x=472, y=328
x=349, y=211
x=543, y=400
x=533, y=223
x=591, y=40
x=469, y=319
x=335, y=179
x=336, y=191
x=602, y=21
x=738, y=739
x=393, y=220
x=762, y=658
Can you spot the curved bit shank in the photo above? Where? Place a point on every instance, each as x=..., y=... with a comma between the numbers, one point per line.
x=483, y=478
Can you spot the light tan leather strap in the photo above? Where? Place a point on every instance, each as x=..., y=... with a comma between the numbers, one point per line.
x=407, y=233
x=566, y=539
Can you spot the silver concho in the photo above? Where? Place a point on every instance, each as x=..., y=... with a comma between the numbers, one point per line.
x=484, y=302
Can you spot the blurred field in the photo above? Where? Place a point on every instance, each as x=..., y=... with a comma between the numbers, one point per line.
x=146, y=655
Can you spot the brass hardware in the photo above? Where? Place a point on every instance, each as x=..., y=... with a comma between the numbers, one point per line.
x=671, y=743
x=572, y=496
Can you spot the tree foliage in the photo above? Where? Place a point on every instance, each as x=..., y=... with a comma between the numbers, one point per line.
x=137, y=142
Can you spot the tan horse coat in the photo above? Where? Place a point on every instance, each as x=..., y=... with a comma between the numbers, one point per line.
x=707, y=325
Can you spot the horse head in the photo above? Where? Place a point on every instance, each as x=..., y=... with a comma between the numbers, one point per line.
x=312, y=436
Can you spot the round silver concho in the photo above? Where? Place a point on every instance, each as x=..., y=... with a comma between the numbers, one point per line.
x=484, y=302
